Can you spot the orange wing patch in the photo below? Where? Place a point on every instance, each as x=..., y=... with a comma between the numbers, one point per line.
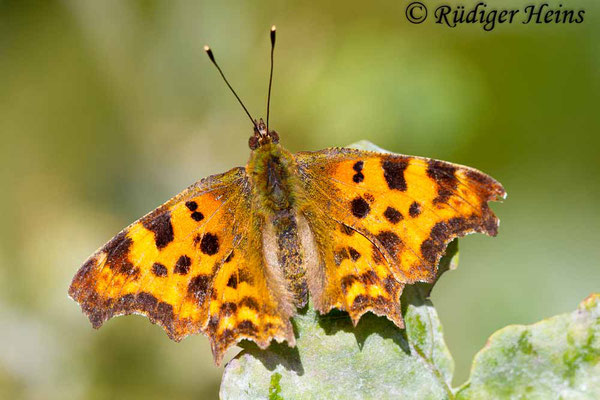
x=186, y=266
x=401, y=211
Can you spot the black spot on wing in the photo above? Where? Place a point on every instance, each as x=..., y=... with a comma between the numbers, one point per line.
x=390, y=241
x=191, y=205
x=162, y=229
x=358, y=176
x=444, y=175
x=369, y=277
x=130, y=269
x=209, y=244
x=441, y=172
x=359, y=302
x=198, y=288
x=354, y=254
x=249, y=302
x=182, y=266
x=393, y=215
x=393, y=172
x=228, y=308
x=159, y=270
x=247, y=327
x=414, y=210
x=197, y=216
x=340, y=255
x=360, y=207
x=117, y=253
x=232, y=282
x=347, y=282
x=444, y=193
x=245, y=276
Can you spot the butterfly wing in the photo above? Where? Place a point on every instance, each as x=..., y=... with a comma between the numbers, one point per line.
x=192, y=265
x=385, y=221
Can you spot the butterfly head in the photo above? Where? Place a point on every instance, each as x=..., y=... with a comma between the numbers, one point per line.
x=262, y=135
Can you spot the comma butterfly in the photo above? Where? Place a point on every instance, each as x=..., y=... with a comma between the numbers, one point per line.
x=235, y=255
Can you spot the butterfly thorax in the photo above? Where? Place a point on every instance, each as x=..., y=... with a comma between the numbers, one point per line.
x=272, y=169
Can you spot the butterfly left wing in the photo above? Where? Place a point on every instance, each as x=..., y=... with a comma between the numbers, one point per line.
x=384, y=220
x=192, y=265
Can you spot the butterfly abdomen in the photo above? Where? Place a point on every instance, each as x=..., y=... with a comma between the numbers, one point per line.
x=290, y=255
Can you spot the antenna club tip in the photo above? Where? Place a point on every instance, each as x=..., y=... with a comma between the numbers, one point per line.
x=273, y=28
x=210, y=54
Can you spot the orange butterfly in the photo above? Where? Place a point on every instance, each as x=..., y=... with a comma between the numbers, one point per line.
x=236, y=254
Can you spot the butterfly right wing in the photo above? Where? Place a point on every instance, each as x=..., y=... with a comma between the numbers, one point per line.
x=192, y=265
x=384, y=221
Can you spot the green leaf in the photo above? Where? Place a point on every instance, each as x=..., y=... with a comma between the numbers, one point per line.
x=274, y=387
x=332, y=359
x=557, y=358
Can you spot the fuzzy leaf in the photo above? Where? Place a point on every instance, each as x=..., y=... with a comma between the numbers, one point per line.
x=557, y=358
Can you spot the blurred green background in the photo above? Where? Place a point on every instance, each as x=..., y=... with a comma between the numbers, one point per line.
x=109, y=108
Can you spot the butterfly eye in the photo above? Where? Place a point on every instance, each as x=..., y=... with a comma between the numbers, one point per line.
x=253, y=143
x=274, y=137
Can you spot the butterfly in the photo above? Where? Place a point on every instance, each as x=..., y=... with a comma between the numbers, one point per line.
x=235, y=255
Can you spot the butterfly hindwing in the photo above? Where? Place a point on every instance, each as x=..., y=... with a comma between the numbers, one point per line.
x=190, y=266
x=395, y=214
x=245, y=303
x=352, y=274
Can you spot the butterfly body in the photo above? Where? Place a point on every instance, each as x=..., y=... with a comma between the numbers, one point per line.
x=277, y=194
x=235, y=255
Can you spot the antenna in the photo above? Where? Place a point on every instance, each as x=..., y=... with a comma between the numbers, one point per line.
x=212, y=58
x=273, y=31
